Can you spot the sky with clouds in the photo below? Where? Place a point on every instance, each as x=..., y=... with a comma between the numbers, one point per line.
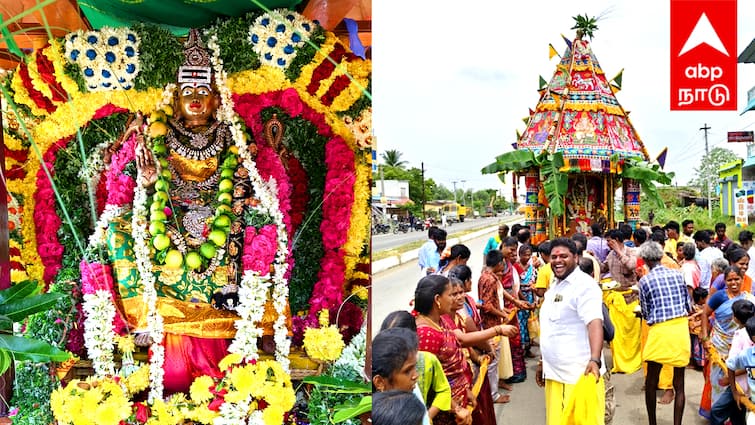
x=452, y=83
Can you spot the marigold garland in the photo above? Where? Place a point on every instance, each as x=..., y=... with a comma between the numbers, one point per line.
x=360, y=218
x=36, y=78
x=22, y=96
x=54, y=53
x=307, y=71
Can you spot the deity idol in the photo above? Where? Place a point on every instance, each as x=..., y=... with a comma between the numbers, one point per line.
x=201, y=202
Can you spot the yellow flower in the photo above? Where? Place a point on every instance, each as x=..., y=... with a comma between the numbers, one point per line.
x=109, y=414
x=200, y=389
x=61, y=408
x=323, y=344
x=273, y=415
x=200, y=414
x=324, y=317
x=138, y=381
x=244, y=380
x=126, y=344
x=360, y=292
x=230, y=360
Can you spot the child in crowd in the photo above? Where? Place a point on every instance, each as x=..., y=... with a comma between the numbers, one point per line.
x=432, y=384
x=744, y=361
x=396, y=407
x=726, y=407
x=394, y=363
x=700, y=297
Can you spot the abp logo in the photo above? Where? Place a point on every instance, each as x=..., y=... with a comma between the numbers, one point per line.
x=703, y=55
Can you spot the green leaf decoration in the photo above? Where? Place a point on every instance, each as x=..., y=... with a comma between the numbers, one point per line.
x=20, y=309
x=586, y=25
x=5, y=361
x=18, y=291
x=6, y=324
x=22, y=349
x=338, y=385
x=549, y=164
x=517, y=160
x=646, y=174
x=555, y=183
x=348, y=411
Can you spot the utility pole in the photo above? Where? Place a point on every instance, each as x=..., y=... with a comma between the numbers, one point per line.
x=454, y=182
x=705, y=129
x=464, y=191
x=422, y=165
x=383, y=199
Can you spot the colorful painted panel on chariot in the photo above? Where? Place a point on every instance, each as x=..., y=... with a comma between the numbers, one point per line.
x=578, y=113
x=309, y=93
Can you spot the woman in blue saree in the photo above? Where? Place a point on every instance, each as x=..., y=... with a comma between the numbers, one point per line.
x=718, y=336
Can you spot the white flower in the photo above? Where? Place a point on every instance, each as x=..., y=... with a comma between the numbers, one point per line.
x=99, y=337
x=277, y=36
x=108, y=58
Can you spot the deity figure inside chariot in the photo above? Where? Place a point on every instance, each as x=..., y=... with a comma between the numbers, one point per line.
x=199, y=202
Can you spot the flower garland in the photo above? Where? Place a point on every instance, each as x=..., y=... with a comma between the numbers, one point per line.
x=276, y=38
x=99, y=338
x=95, y=165
x=46, y=218
x=269, y=204
x=108, y=58
x=358, y=232
x=149, y=295
x=54, y=53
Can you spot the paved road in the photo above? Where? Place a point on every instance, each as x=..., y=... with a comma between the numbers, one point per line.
x=393, y=290
x=384, y=242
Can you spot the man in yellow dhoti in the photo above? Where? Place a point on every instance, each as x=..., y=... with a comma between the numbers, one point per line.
x=571, y=330
x=665, y=304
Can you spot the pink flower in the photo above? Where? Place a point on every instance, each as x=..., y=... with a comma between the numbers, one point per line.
x=260, y=248
x=291, y=102
x=168, y=212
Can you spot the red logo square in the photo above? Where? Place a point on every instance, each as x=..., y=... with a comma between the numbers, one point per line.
x=703, y=55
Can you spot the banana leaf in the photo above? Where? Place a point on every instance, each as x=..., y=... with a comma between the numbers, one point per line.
x=555, y=183
x=512, y=161
x=338, y=385
x=349, y=411
x=21, y=349
x=18, y=291
x=646, y=173
x=19, y=309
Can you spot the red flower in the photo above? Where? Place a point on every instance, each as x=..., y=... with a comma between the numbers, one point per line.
x=142, y=412
x=215, y=404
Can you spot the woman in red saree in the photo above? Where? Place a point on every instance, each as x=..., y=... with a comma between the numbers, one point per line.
x=511, y=300
x=468, y=319
x=438, y=334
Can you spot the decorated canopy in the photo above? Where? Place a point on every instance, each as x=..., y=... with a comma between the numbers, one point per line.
x=578, y=115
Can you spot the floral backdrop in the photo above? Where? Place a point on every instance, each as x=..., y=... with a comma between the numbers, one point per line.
x=71, y=99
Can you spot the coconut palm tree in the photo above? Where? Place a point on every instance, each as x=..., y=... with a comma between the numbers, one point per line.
x=392, y=158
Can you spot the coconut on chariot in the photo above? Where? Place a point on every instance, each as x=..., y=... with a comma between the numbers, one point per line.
x=579, y=146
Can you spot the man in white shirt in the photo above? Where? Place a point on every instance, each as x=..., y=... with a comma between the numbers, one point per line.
x=429, y=253
x=571, y=333
x=707, y=254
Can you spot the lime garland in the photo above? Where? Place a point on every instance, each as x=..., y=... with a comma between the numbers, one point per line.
x=161, y=207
